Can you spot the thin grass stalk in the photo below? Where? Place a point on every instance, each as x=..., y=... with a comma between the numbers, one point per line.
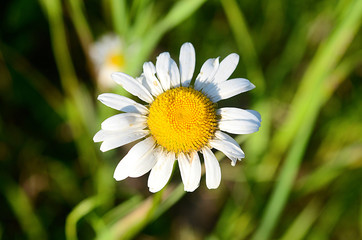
x=303, y=222
x=82, y=209
x=178, y=13
x=77, y=14
x=77, y=103
x=313, y=81
x=149, y=210
x=307, y=112
x=22, y=208
x=126, y=227
x=245, y=43
x=286, y=178
x=119, y=17
x=331, y=215
x=258, y=142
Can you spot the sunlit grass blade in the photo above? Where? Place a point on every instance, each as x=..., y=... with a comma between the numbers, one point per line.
x=53, y=10
x=313, y=83
x=235, y=222
x=120, y=19
x=121, y=210
x=292, y=55
x=82, y=209
x=22, y=208
x=77, y=101
x=250, y=59
x=306, y=105
x=178, y=13
x=77, y=14
x=285, y=180
x=144, y=19
x=64, y=181
x=245, y=43
x=343, y=160
x=303, y=222
x=330, y=216
x=128, y=226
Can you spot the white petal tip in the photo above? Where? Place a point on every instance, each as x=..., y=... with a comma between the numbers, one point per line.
x=235, y=58
x=98, y=137
x=190, y=189
x=153, y=190
x=213, y=187
x=104, y=149
x=119, y=178
x=187, y=44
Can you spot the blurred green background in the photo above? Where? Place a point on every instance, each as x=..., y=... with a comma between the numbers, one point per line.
x=302, y=175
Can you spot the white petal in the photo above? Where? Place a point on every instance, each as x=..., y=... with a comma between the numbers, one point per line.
x=124, y=121
x=122, y=168
x=229, y=113
x=162, y=64
x=228, y=89
x=207, y=73
x=132, y=86
x=122, y=103
x=103, y=135
x=167, y=71
x=99, y=136
x=174, y=74
x=161, y=172
x=187, y=63
x=226, y=68
x=212, y=167
x=239, y=126
x=153, y=84
x=239, y=121
x=122, y=139
x=228, y=146
x=223, y=136
x=184, y=166
x=190, y=168
x=255, y=113
x=135, y=159
x=145, y=164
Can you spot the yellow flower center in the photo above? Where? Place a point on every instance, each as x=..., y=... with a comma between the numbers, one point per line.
x=116, y=59
x=182, y=119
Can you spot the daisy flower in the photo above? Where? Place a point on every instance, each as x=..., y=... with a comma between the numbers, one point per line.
x=179, y=119
x=107, y=55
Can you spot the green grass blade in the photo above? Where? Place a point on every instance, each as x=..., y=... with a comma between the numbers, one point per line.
x=245, y=43
x=307, y=104
x=314, y=82
x=82, y=209
x=302, y=224
x=119, y=16
x=22, y=208
x=178, y=13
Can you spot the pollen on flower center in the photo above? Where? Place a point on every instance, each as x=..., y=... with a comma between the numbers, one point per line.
x=182, y=119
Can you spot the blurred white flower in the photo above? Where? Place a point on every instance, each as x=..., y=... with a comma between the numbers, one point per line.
x=179, y=120
x=107, y=55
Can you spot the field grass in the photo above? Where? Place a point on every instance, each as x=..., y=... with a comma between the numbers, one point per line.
x=302, y=175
